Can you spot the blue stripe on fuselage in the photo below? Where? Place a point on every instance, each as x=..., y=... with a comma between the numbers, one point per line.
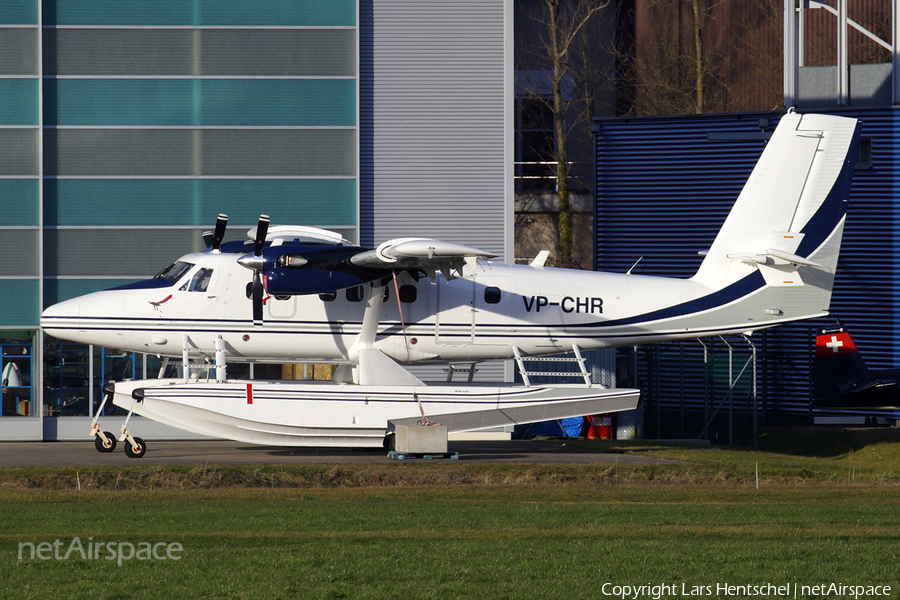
x=717, y=299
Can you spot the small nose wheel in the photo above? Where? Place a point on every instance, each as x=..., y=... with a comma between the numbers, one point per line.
x=136, y=448
x=104, y=442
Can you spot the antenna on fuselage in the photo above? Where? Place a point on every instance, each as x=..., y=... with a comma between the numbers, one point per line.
x=628, y=272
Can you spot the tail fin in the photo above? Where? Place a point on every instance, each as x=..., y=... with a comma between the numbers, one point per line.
x=836, y=364
x=788, y=220
x=842, y=380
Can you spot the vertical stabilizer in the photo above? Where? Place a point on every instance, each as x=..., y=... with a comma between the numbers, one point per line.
x=799, y=187
x=787, y=223
x=837, y=363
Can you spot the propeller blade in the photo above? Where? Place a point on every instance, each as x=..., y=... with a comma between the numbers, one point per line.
x=257, y=299
x=261, y=230
x=221, y=224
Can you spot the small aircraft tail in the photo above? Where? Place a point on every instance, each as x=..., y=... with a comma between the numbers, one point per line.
x=836, y=364
x=783, y=235
x=842, y=380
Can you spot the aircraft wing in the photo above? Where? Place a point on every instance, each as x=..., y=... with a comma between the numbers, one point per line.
x=429, y=255
x=290, y=268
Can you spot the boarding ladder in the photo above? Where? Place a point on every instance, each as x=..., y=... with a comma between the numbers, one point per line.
x=194, y=358
x=578, y=358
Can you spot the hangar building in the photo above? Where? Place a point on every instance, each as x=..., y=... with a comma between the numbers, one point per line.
x=664, y=187
x=126, y=126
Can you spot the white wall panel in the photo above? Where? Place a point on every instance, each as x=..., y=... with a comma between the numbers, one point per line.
x=435, y=133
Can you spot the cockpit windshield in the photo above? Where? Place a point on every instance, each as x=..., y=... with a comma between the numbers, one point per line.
x=174, y=272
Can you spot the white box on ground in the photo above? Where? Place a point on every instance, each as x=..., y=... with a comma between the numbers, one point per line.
x=418, y=439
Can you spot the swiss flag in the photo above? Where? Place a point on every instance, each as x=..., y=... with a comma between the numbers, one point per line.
x=831, y=344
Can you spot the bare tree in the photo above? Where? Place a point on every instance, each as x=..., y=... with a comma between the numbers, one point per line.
x=563, y=28
x=670, y=75
x=698, y=54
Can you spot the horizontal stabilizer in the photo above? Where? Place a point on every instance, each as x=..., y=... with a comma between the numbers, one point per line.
x=791, y=258
x=778, y=268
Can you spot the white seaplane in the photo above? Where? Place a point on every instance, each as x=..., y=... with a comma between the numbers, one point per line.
x=316, y=297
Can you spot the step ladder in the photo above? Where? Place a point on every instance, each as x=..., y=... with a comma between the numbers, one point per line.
x=578, y=358
x=190, y=351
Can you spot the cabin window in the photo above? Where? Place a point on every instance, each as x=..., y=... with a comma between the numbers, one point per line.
x=408, y=293
x=200, y=281
x=492, y=295
x=174, y=272
x=355, y=294
x=328, y=296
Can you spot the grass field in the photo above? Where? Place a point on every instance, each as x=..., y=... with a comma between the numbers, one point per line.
x=462, y=531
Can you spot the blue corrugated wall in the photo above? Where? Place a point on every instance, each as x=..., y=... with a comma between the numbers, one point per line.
x=665, y=185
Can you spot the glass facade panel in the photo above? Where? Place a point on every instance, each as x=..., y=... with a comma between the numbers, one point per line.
x=285, y=52
x=18, y=51
x=333, y=13
x=158, y=115
x=19, y=152
x=20, y=251
x=138, y=52
x=130, y=253
x=244, y=13
x=19, y=302
x=18, y=101
x=185, y=52
x=19, y=12
x=196, y=202
x=301, y=103
x=185, y=102
x=148, y=152
x=19, y=202
x=17, y=364
x=300, y=152
x=121, y=152
x=67, y=378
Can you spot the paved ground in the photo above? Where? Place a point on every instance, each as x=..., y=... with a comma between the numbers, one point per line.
x=223, y=452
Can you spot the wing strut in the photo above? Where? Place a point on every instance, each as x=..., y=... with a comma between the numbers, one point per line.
x=403, y=325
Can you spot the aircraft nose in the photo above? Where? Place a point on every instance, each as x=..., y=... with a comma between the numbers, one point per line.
x=62, y=317
x=91, y=319
x=60, y=310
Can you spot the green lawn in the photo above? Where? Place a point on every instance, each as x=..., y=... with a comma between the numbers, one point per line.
x=474, y=542
x=453, y=530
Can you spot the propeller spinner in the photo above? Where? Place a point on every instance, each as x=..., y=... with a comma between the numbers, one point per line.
x=255, y=263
